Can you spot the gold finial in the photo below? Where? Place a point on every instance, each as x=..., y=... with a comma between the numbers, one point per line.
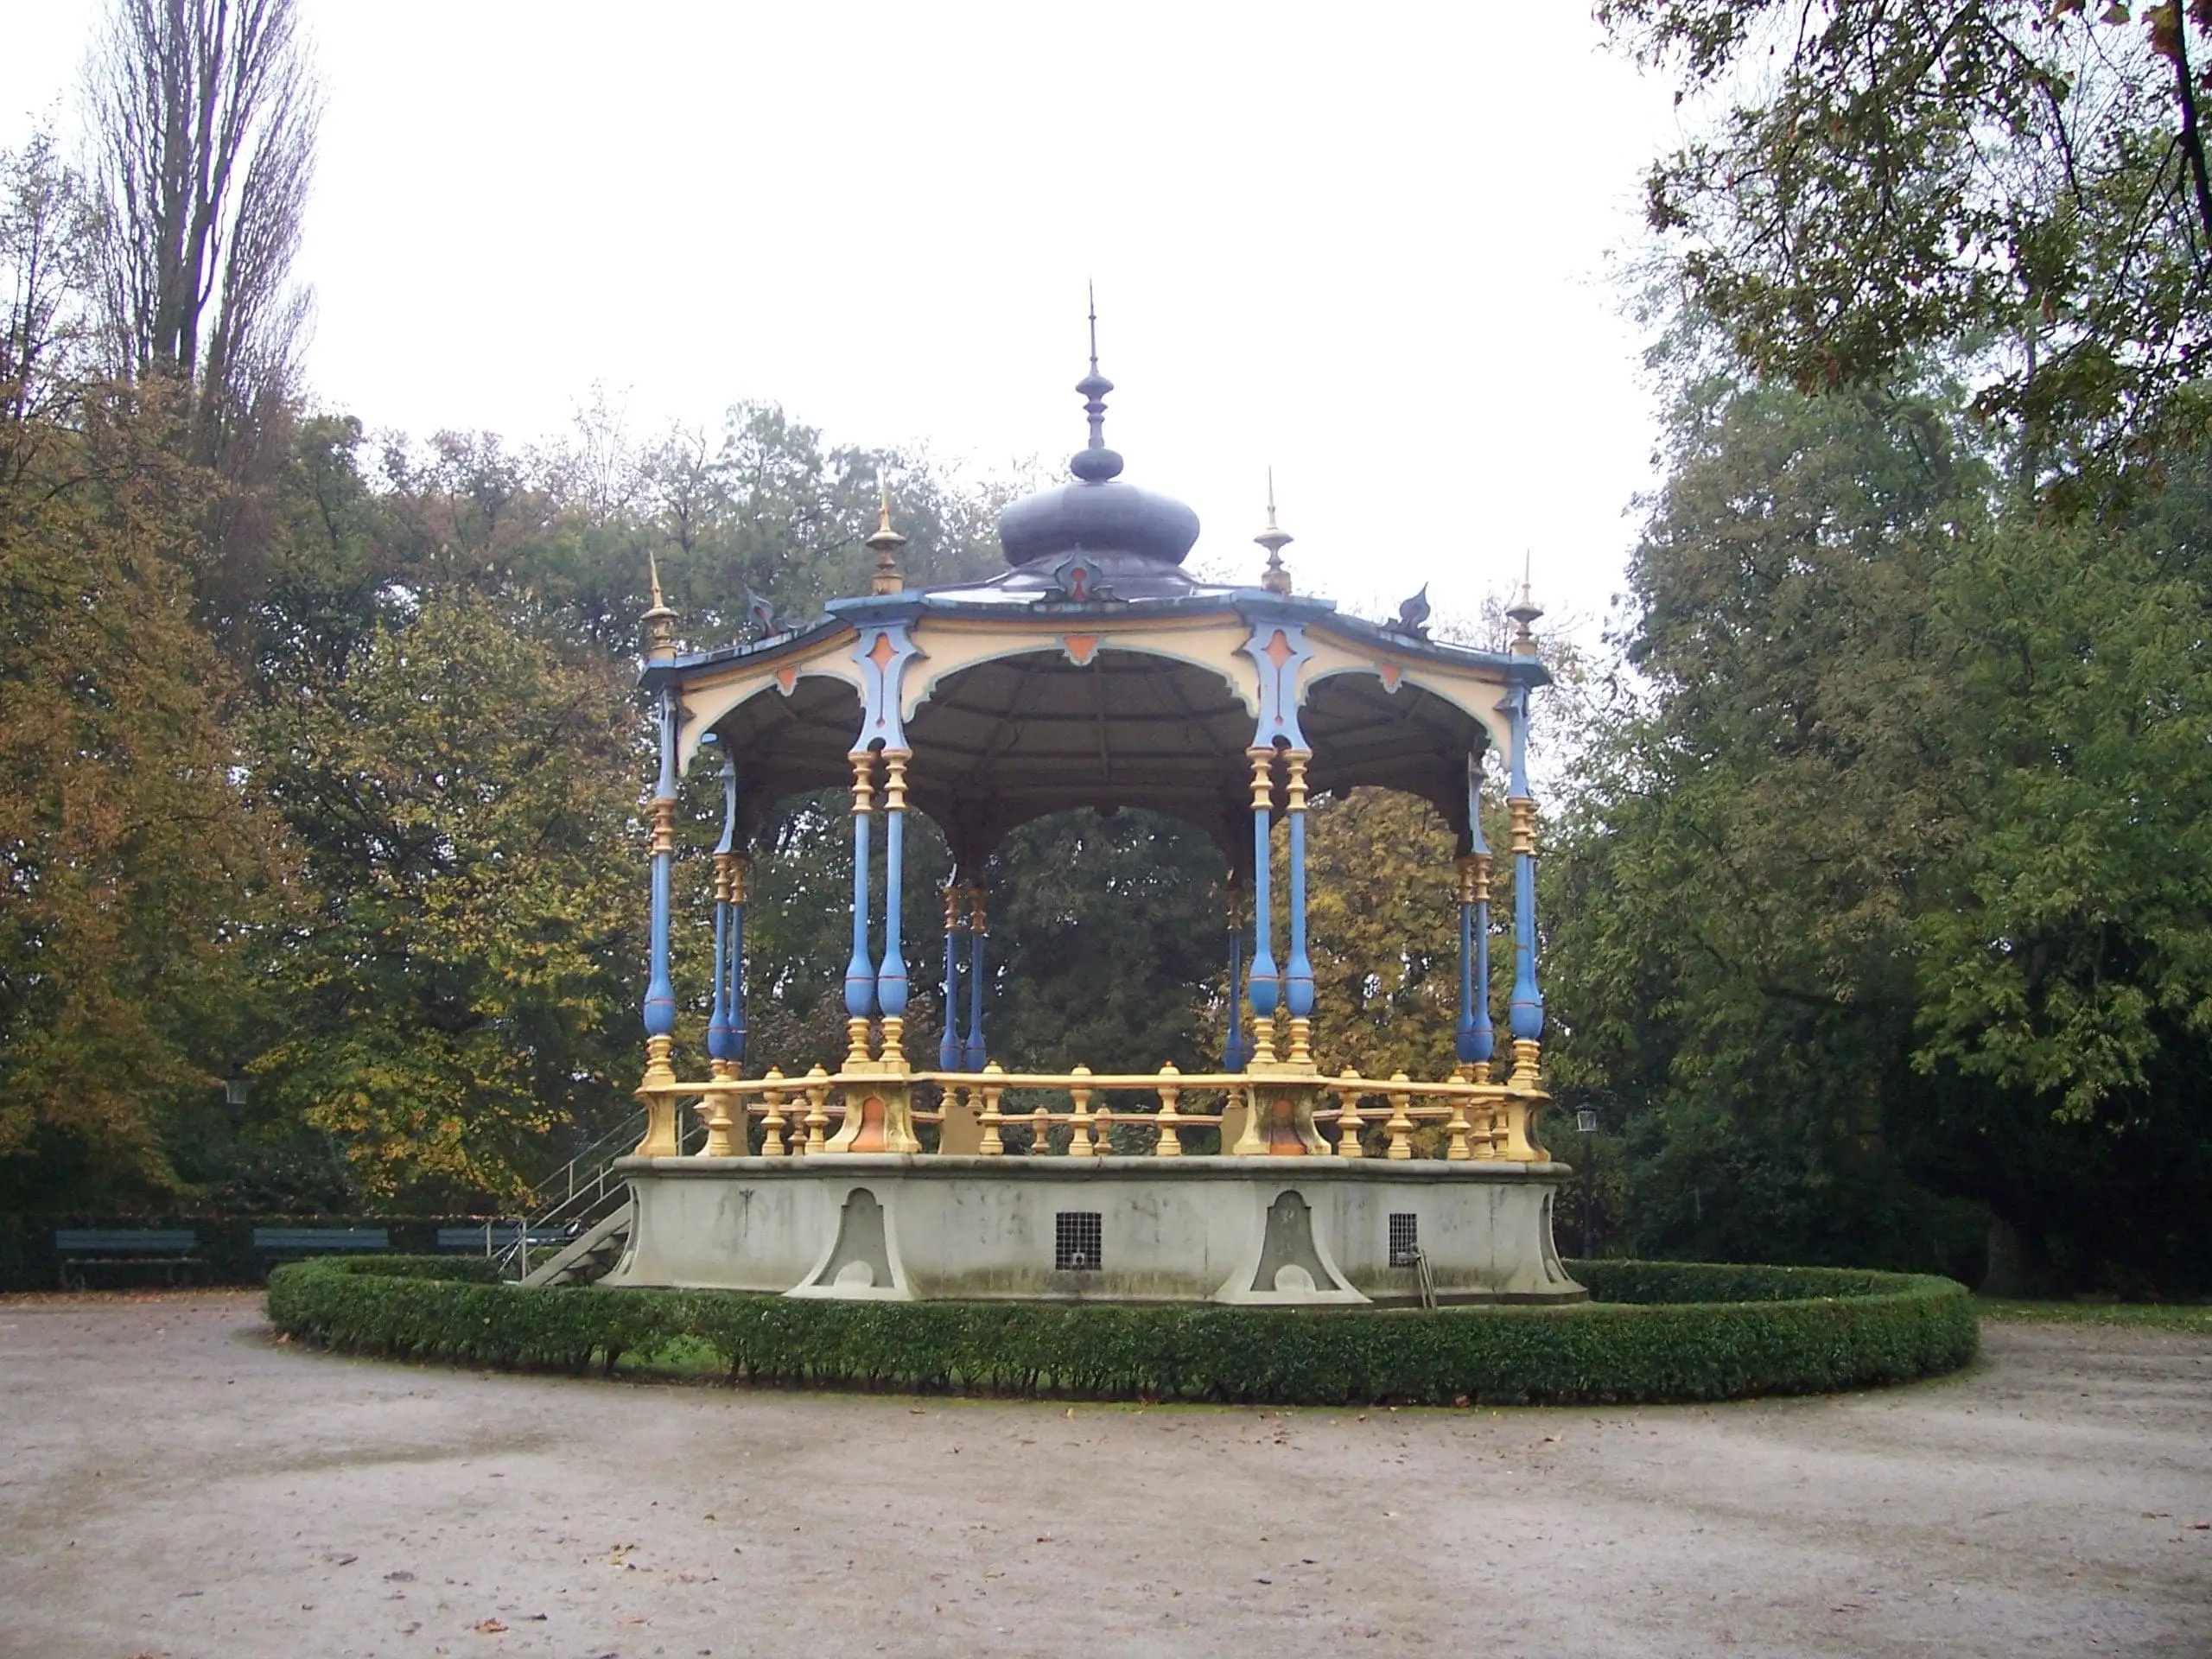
x=1275, y=538
x=1524, y=610
x=887, y=542
x=660, y=620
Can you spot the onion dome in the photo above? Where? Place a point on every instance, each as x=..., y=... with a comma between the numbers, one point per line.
x=1097, y=513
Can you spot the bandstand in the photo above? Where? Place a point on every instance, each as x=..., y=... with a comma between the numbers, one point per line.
x=1094, y=672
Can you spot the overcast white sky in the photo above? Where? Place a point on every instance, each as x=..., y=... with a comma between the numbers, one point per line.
x=1366, y=244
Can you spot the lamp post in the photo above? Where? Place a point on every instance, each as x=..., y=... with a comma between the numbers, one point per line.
x=1586, y=1121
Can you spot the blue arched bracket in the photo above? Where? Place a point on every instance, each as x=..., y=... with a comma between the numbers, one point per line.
x=660, y=990
x=1279, y=650
x=1528, y=1009
x=883, y=651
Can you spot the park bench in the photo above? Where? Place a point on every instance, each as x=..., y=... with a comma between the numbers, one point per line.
x=83, y=1251
x=280, y=1244
x=491, y=1237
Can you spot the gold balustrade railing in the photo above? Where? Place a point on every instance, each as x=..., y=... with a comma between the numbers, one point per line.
x=1480, y=1119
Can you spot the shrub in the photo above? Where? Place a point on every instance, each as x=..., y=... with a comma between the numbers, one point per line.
x=1657, y=1331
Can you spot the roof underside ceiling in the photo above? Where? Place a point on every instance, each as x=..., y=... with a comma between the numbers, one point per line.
x=1014, y=738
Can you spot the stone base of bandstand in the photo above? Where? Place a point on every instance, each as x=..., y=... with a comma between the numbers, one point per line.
x=1313, y=1231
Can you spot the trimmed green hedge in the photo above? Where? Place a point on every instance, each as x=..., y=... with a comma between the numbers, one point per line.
x=1659, y=1331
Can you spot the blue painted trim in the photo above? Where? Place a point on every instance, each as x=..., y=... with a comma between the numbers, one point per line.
x=1298, y=976
x=891, y=977
x=947, y=1047
x=660, y=990
x=973, y=1053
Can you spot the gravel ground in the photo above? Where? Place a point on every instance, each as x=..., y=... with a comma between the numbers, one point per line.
x=172, y=1482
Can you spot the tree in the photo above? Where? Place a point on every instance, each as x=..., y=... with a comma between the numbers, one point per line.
x=465, y=999
x=140, y=870
x=1886, y=889
x=45, y=249
x=204, y=114
x=2022, y=182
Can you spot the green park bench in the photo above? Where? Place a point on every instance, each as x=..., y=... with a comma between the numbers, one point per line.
x=83, y=1252
x=489, y=1238
x=274, y=1244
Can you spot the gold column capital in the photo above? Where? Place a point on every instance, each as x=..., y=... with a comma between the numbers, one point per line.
x=863, y=763
x=1263, y=779
x=1521, y=810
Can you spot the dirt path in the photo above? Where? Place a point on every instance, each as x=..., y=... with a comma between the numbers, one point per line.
x=171, y=1483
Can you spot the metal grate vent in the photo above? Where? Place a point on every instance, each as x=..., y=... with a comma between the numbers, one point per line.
x=1405, y=1240
x=1077, y=1236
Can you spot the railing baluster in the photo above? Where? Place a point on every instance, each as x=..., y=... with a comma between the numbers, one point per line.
x=1170, y=1144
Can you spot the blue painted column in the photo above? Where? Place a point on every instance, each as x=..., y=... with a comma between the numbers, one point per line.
x=719, y=1032
x=661, y=1140
x=1266, y=986
x=948, y=1046
x=1528, y=1008
x=741, y=883
x=1235, y=1051
x=973, y=1054
x=1298, y=973
x=891, y=977
x=860, y=971
x=1476, y=1040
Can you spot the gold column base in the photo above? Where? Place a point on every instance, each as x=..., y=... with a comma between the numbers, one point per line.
x=895, y=1038
x=1528, y=1073
x=1518, y=1143
x=661, y=1139
x=1302, y=1034
x=1278, y=1119
x=879, y=1107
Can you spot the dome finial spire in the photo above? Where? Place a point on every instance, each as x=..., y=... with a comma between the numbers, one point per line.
x=1524, y=610
x=884, y=542
x=660, y=620
x=1095, y=463
x=1275, y=538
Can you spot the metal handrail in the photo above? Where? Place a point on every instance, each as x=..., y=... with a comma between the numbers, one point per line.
x=577, y=1194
